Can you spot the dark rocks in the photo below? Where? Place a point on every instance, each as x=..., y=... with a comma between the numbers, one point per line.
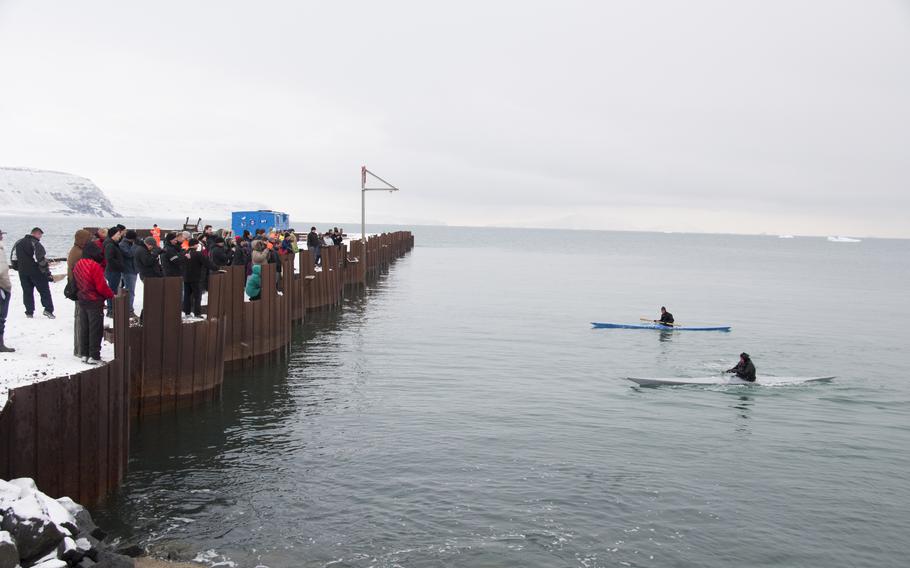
x=132, y=551
x=39, y=532
x=27, y=522
x=9, y=554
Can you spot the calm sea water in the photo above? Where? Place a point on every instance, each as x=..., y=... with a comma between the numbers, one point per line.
x=462, y=412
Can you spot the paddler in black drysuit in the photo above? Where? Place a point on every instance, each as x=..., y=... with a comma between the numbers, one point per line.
x=666, y=318
x=745, y=370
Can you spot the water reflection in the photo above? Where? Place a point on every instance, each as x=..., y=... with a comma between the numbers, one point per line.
x=743, y=408
x=666, y=335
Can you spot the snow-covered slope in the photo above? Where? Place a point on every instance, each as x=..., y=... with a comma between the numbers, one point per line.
x=28, y=192
x=177, y=207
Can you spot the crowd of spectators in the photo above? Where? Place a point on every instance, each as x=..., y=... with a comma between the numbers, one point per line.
x=102, y=263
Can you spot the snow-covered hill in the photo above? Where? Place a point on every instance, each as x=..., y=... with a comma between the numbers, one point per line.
x=178, y=207
x=28, y=192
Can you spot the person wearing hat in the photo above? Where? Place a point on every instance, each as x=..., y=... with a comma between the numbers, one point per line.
x=172, y=258
x=242, y=255
x=6, y=289
x=130, y=271
x=192, y=279
x=145, y=255
x=80, y=240
x=100, y=237
x=314, y=244
x=113, y=259
x=34, y=273
x=93, y=290
x=218, y=252
x=745, y=369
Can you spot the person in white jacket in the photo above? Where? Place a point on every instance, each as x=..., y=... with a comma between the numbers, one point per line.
x=6, y=288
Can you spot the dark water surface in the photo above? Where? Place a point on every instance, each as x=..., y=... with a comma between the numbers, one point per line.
x=462, y=412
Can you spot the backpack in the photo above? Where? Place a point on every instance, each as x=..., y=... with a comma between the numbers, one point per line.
x=70, y=290
x=13, y=257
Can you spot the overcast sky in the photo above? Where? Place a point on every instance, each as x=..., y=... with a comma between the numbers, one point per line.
x=766, y=116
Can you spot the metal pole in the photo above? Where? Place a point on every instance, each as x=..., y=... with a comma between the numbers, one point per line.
x=363, y=209
x=363, y=228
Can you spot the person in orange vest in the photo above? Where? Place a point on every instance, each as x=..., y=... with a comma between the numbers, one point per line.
x=156, y=234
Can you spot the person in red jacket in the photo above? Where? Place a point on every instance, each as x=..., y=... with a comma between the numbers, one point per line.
x=92, y=290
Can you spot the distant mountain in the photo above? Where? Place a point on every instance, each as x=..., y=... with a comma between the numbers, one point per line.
x=26, y=192
x=178, y=207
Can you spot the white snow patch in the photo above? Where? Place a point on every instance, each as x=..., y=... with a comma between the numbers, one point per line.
x=44, y=347
x=27, y=507
x=8, y=493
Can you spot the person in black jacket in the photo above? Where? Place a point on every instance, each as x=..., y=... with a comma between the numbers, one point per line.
x=173, y=259
x=34, y=273
x=192, y=279
x=242, y=256
x=745, y=369
x=314, y=244
x=113, y=259
x=218, y=253
x=130, y=270
x=145, y=255
x=666, y=318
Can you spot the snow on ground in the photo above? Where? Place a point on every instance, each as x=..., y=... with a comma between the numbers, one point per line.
x=44, y=347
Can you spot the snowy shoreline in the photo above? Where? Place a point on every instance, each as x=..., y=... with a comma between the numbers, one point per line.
x=44, y=347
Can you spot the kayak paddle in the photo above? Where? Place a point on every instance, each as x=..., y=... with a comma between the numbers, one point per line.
x=658, y=321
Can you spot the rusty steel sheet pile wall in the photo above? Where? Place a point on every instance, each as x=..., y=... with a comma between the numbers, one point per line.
x=71, y=434
x=259, y=328
x=384, y=248
x=176, y=363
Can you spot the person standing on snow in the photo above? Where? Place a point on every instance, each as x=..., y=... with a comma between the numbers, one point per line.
x=80, y=239
x=6, y=289
x=113, y=258
x=130, y=271
x=34, y=273
x=196, y=265
x=93, y=290
x=173, y=259
x=314, y=244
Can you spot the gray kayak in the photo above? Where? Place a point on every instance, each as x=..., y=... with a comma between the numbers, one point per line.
x=726, y=380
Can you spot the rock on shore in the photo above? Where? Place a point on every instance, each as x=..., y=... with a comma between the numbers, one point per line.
x=37, y=531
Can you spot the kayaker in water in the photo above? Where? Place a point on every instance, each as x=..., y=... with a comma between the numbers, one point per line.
x=745, y=370
x=666, y=318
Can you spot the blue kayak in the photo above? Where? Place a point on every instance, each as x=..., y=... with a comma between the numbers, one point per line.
x=601, y=325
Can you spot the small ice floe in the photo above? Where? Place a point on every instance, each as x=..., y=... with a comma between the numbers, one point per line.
x=784, y=236
x=213, y=559
x=844, y=240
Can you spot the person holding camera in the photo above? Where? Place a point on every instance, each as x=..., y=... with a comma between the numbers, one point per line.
x=34, y=273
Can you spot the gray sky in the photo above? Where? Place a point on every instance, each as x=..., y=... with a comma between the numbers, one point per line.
x=765, y=116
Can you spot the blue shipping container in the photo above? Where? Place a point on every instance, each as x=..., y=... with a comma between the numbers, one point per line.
x=262, y=219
